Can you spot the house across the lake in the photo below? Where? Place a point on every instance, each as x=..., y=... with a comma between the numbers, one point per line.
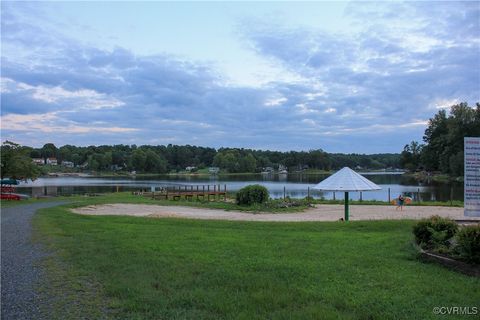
x=52, y=161
x=68, y=164
x=39, y=161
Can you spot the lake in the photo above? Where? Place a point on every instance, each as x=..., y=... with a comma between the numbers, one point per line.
x=294, y=185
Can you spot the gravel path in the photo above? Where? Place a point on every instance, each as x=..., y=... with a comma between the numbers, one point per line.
x=319, y=213
x=20, y=259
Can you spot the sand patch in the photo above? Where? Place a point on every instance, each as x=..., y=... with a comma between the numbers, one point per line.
x=320, y=213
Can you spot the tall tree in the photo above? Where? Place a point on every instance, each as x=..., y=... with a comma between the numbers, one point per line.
x=444, y=138
x=16, y=163
x=49, y=151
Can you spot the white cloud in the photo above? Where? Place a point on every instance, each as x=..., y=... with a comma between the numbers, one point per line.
x=330, y=110
x=444, y=103
x=51, y=123
x=82, y=98
x=274, y=102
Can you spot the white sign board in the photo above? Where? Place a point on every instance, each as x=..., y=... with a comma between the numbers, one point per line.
x=472, y=177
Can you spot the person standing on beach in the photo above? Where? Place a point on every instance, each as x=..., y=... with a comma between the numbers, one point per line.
x=400, y=202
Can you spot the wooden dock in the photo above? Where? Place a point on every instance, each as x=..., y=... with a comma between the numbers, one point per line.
x=203, y=192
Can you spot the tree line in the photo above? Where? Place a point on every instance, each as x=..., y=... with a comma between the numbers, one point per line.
x=442, y=150
x=175, y=158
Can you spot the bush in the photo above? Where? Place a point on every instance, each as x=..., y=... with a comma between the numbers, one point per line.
x=468, y=243
x=434, y=232
x=252, y=194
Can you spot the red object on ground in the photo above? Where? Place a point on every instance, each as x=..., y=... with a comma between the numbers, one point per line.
x=8, y=196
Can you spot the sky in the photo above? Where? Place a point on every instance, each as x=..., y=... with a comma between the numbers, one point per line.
x=350, y=77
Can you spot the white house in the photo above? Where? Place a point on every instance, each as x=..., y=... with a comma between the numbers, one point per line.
x=52, y=161
x=39, y=161
x=68, y=164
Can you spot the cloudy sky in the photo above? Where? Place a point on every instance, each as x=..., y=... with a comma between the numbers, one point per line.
x=348, y=77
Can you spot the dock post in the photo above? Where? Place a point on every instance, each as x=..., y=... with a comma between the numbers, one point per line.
x=334, y=196
x=451, y=195
x=389, y=195
x=361, y=199
x=283, y=192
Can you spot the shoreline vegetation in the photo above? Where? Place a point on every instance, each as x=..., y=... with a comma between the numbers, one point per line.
x=418, y=176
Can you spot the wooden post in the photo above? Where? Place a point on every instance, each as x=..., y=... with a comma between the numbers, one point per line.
x=283, y=192
x=389, y=195
x=308, y=195
x=418, y=194
x=451, y=195
x=361, y=199
x=334, y=196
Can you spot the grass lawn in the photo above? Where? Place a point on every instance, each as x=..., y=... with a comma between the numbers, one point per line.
x=142, y=268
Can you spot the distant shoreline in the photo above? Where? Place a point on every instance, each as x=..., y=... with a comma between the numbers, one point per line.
x=204, y=174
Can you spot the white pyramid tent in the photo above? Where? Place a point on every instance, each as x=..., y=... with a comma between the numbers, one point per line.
x=346, y=180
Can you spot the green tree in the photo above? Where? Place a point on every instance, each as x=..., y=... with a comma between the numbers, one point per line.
x=248, y=163
x=16, y=163
x=138, y=159
x=154, y=163
x=49, y=151
x=444, y=138
x=411, y=155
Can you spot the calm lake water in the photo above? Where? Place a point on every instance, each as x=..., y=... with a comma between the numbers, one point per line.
x=295, y=185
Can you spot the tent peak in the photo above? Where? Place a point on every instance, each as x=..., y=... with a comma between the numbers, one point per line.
x=346, y=180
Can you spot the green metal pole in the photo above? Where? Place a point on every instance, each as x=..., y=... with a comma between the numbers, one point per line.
x=346, y=206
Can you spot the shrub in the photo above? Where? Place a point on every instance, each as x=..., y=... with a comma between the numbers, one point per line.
x=434, y=232
x=468, y=243
x=252, y=194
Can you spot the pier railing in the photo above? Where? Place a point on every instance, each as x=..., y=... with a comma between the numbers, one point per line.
x=188, y=192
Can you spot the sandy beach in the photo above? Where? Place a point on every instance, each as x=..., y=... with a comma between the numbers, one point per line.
x=319, y=213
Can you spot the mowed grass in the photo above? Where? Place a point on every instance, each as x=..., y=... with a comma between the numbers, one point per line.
x=146, y=268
